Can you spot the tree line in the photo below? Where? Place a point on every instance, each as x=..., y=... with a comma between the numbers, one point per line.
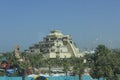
x=103, y=63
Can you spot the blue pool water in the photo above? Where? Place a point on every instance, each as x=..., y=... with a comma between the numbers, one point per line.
x=85, y=77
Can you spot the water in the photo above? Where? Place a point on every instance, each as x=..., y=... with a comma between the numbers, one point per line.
x=85, y=77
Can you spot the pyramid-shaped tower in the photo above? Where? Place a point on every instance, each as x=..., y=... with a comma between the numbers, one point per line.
x=54, y=45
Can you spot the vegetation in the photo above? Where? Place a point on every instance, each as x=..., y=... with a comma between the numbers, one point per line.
x=79, y=66
x=103, y=63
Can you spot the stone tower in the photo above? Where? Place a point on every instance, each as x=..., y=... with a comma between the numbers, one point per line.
x=17, y=51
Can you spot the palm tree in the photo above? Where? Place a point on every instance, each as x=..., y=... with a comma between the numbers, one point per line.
x=49, y=63
x=66, y=65
x=78, y=66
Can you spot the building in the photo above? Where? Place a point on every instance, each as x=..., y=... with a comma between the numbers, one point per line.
x=56, y=45
x=17, y=51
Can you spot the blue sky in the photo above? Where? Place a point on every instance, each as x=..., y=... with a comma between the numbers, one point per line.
x=90, y=22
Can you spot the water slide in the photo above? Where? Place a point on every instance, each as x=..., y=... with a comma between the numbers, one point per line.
x=72, y=48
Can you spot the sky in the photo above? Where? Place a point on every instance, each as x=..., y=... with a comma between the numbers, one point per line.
x=90, y=22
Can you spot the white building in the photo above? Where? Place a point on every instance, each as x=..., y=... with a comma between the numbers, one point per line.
x=56, y=45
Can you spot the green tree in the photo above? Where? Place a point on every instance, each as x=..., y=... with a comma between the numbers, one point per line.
x=78, y=66
x=101, y=64
x=66, y=65
x=35, y=60
x=49, y=63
